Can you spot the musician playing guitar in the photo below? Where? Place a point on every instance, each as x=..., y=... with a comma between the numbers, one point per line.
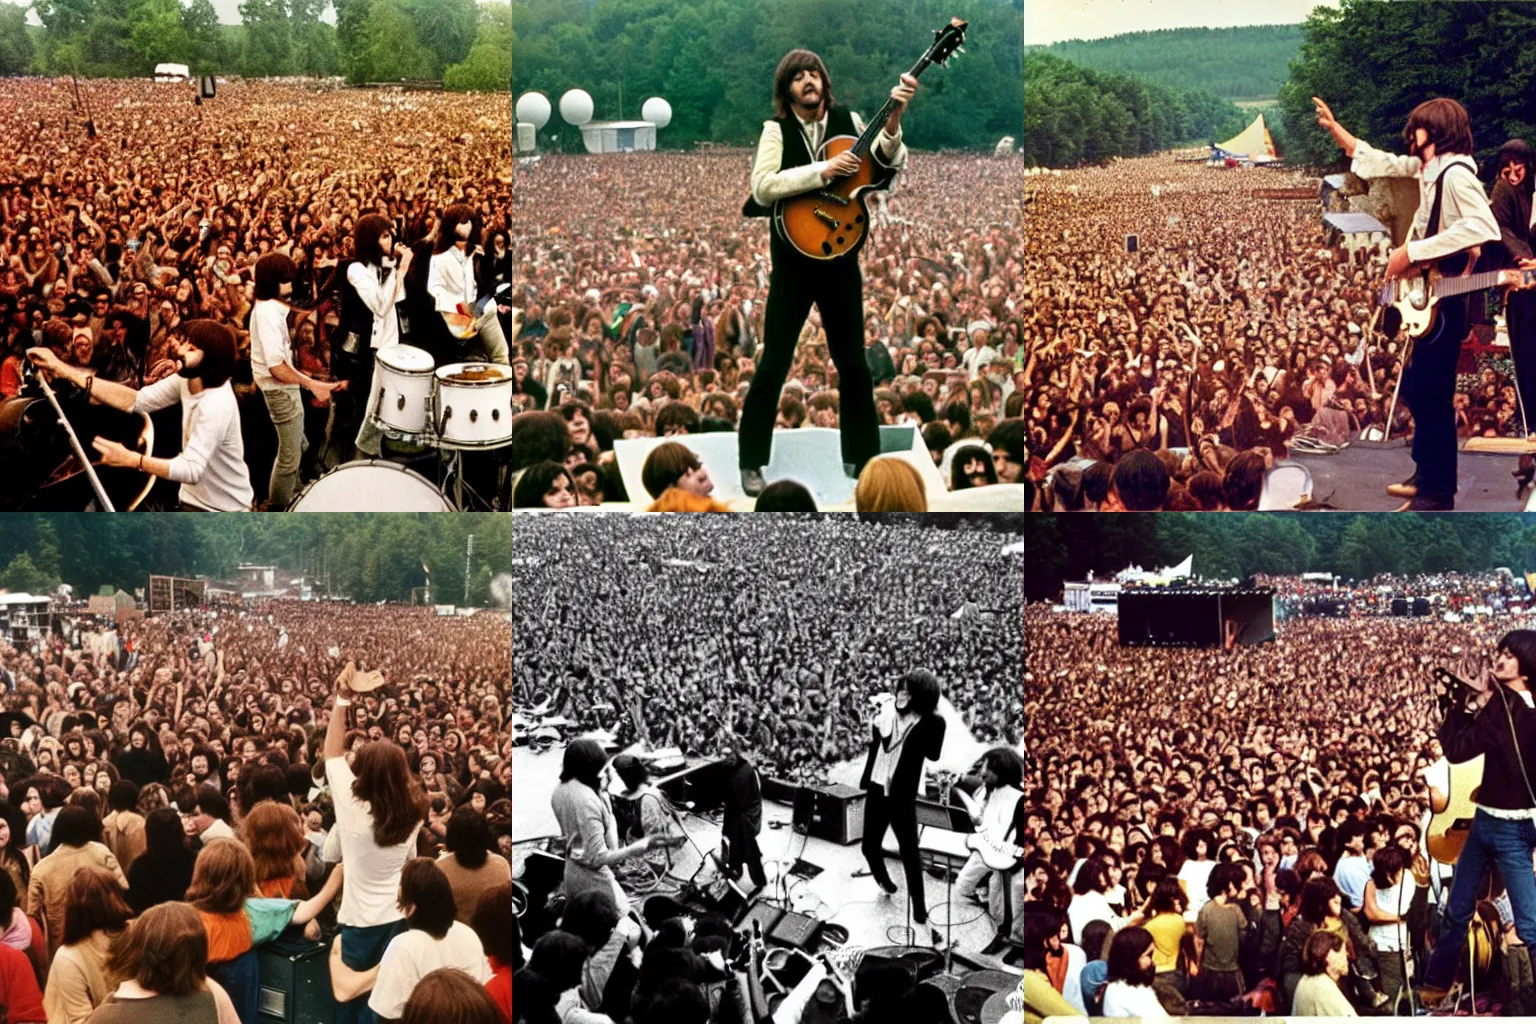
x=1492, y=716
x=1439, y=137
x=995, y=818
x=785, y=166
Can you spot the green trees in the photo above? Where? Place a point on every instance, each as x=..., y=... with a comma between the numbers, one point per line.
x=1234, y=63
x=1355, y=546
x=374, y=557
x=488, y=65
x=16, y=52
x=713, y=60
x=387, y=46
x=1073, y=115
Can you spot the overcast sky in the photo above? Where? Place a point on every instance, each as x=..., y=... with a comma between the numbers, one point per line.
x=1051, y=21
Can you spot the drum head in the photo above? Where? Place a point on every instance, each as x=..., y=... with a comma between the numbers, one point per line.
x=405, y=359
x=371, y=486
x=471, y=375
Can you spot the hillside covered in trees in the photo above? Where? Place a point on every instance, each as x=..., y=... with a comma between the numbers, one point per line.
x=1073, y=115
x=1375, y=62
x=1358, y=547
x=464, y=44
x=369, y=557
x=1247, y=63
x=713, y=61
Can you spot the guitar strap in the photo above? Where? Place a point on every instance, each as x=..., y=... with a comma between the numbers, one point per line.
x=1515, y=738
x=1433, y=228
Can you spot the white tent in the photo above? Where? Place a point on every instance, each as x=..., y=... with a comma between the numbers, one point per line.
x=1252, y=144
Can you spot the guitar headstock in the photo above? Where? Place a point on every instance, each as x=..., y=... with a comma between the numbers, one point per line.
x=946, y=41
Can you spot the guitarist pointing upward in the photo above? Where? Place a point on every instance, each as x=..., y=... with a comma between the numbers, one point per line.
x=786, y=166
x=1439, y=136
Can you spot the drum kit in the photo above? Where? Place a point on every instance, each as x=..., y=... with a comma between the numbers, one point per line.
x=454, y=409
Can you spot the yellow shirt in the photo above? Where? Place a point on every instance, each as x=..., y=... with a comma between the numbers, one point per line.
x=1167, y=931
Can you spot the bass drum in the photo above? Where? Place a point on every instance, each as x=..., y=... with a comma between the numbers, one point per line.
x=371, y=485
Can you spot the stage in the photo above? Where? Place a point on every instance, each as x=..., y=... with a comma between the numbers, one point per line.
x=1355, y=479
x=833, y=896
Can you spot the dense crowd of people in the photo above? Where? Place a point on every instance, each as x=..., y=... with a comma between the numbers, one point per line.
x=1213, y=346
x=636, y=323
x=1243, y=829
x=1498, y=591
x=129, y=215
x=783, y=639
x=181, y=790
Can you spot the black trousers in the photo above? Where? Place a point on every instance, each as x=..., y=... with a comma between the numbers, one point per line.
x=1429, y=388
x=744, y=850
x=836, y=287
x=901, y=816
x=1520, y=312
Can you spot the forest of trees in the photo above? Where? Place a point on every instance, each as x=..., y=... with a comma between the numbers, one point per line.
x=713, y=61
x=370, y=557
x=1067, y=547
x=1246, y=63
x=1374, y=62
x=1073, y=115
x=465, y=44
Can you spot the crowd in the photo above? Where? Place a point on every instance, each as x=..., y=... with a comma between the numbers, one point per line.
x=725, y=638
x=1232, y=330
x=1499, y=591
x=783, y=639
x=179, y=792
x=114, y=238
x=642, y=292
x=1244, y=829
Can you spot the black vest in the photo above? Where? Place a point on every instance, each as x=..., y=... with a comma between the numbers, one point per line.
x=839, y=122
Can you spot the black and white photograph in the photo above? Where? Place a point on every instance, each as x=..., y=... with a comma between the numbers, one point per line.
x=768, y=772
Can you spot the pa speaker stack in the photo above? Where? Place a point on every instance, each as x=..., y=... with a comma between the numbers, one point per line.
x=834, y=813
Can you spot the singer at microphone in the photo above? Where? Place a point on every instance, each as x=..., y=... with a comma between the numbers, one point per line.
x=1494, y=718
x=905, y=732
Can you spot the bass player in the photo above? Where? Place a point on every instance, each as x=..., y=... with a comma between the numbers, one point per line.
x=1439, y=137
x=1493, y=716
x=786, y=165
x=997, y=825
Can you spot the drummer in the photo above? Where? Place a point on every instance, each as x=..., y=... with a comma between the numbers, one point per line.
x=211, y=467
x=375, y=288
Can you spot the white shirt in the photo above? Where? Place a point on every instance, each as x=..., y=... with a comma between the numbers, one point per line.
x=218, y=830
x=414, y=954
x=1123, y=1000
x=373, y=872
x=1466, y=219
x=451, y=280
x=376, y=295
x=769, y=184
x=211, y=467
x=270, y=344
x=1389, y=937
x=997, y=812
x=1195, y=874
x=1086, y=908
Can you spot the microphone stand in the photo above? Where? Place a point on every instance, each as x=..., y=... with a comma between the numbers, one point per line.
x=74, y=442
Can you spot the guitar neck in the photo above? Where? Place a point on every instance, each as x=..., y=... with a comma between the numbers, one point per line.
x=1448, y=286
x=876, y=124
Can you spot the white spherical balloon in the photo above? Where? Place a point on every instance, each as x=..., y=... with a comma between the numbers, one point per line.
x=534, y=108
x=576, y=107
x=657, y=111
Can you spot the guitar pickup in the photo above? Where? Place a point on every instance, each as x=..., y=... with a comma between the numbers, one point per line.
x=832, y=197
x=826, y=218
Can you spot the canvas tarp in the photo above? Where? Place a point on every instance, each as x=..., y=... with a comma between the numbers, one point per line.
x=1253, y=143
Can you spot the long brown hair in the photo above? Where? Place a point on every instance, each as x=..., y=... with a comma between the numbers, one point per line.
x=394, y=796
x=275, y=836
x=794, y=62
x=165, y=951
x=1445, y=122
x=93, y=902
x=222, y=878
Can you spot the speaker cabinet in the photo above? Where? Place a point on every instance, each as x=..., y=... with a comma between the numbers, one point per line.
x=295, y=982
x=838, y=814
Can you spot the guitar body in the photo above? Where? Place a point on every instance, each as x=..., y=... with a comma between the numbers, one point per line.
x=831, y=222
x=994, y=857
x=1415, y=302
x=40, y=468
x=1447, y=831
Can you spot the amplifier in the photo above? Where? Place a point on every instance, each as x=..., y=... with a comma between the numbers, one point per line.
x=796, y=930
x=765, y=914
x=837, y=814
x=295, y=982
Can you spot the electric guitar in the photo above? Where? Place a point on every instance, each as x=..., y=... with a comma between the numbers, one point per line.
x=1415, y=297
x=997, y=856
x=832, y=221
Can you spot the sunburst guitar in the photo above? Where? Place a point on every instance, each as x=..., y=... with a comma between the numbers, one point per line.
x=832, y=221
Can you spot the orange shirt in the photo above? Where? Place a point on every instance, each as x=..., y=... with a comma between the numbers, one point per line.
x=278, y=888
x=229, y=935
